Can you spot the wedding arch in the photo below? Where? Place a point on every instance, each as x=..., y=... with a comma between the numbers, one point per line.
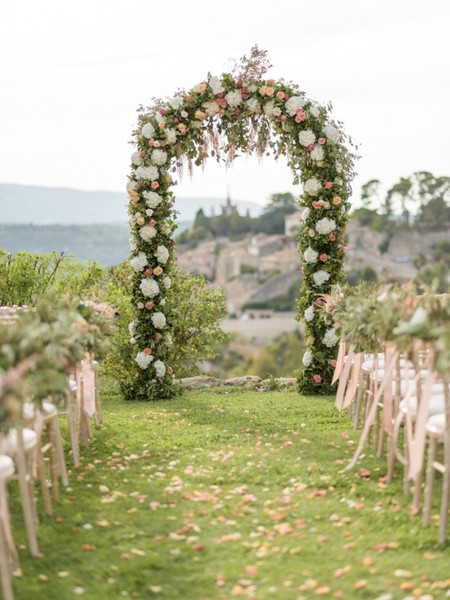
x=222, y=117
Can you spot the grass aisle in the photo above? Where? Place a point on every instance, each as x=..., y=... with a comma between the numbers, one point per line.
x=228, y=493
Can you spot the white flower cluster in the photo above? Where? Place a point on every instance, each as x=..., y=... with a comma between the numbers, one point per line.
x=314, y=110
x=293, y=104
x=211, y=108
x=318, y=153
x=149, y=288
x=330, y=338
x=162, y=254
x=160, y=369
x=305, y=213
x=312, y=186
x=309, y=313
x=133, y=244
x=310, y=255
x=177, y=102
x=136, y=159
x=148, y=131
x=215, y=85
x=253, y=105
x=306, y=137
x=325, y=226
x=149, y=172
x=171, y=135
x=138, y=262
x=168, y=339
x=167, y=282
x=320, y=277
x=147, y=233
x=159, y=157
x=234, y=98
x=307, y=358
x=143, y=360
x=152, y=199
x=159, y=320
x=331, y=133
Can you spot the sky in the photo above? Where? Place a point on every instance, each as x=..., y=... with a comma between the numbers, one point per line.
x=72, y=75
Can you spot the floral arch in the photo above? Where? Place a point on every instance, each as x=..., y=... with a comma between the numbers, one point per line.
x=223, y=117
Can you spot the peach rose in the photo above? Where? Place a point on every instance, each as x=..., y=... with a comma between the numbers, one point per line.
x=140, y=221
x=300, y=116
x=331, y=237
x=157, y=271
x=147, y=351
x=201, y=116
x=154, y=185
x=182, y=128
x=202, y=87
x=280, y=94
x=270, y=91
x=188, y=97
x=337, y=200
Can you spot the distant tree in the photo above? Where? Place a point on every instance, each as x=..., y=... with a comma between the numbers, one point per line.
x=370, y=193
x=436, y=212
x=400, y=192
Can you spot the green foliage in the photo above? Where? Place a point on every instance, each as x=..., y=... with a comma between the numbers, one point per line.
x=25, y=277
x=247, y=269
x=366, y=273
x=436, y=276
x=284, y=302
x=281, y=358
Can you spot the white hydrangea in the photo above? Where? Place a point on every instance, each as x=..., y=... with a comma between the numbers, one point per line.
x=159, y=320
x=147, y=233
x=253, y=105
x=149, y=287
x=315, y=111
x=312, y=186
x=320, y=277
x=305, y=213
x=149, y=172
x=293, y=104
x=171, y=135
x=234, y=98
x=331, y=133
x=215, y=85
x=268, y=108
x=148, y=131
x=133, y=244
x=330, y=338
x=309, y=313
x=162, y=254
x=160, y=369
x=143, y=360
x=138, y=262
x=317, y=153
x=252, y=88
x=177, y=102
x=306, y=137
x=307, y=358
x=310, y=255
x=325, y=226
x=211, y=108
x=167, y=282
x=136, y=159
x=159, y=157
x=152, y=199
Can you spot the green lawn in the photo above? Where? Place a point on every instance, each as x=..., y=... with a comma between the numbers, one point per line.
x=227, y=493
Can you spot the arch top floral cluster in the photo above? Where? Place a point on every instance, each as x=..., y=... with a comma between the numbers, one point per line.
x=223, y=117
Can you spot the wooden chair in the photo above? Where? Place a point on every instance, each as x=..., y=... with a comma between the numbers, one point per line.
x=8, y=552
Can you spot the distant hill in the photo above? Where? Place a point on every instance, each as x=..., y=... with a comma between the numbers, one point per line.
x=23, y=204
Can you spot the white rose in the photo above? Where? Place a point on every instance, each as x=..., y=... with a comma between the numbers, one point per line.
x=167, y=282
x=325, y=226
x=152, y=199
x=309, y=313
x=159, y=157
x=171, y=136
x=138, y=262
x=133, y=340
x=234, y=98
x=149, y=288
x=305, y=213
x=177, y=102
x=143, y=360
x=136, y=159
x=293, y=104
x=211, y=108
x=320, y=277
x=165, y=230
x=162, y=254
x=184, y=114
x=331, y=133
x=149, y=212
x=310, y=255
x=215, y=85
x=330, y=338
x=140, y=305
x=312, y=186
x=133, y=244
x=253, y=105
x=148, y=131
x=160, y=369
x=268, y=108
x=159, y=320
x=317, y=153
x=306, y=137
x=276, y=111
x=149, y=172
x=314, y=111
x=312, y=233
x=132, y=327
x=307, y=358
x=147, y=233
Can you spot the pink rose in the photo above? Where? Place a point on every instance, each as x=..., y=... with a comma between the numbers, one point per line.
x=148, y=272
x=155, y=185
x=328, y=185
x=317, y=378
x=323, y=258
x=322, y=141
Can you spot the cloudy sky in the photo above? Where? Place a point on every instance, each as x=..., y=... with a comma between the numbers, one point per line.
x=73, y=74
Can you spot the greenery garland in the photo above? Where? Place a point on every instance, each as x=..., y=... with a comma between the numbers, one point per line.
x=223, y=117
